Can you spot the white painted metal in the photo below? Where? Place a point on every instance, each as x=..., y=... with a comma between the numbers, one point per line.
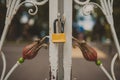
x=53, y=48
x=12, y=7
x=67, y=62
x=106, y=72
x=107, y=8
x=4, y=65
x=82, y=3
x=40, y=3
x=11, y=70
x=60, y=46
x=112, y=66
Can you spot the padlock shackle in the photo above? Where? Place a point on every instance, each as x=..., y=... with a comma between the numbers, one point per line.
x=54, y=25
x=62, y=26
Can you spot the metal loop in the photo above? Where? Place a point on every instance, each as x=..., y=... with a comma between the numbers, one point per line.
x=82, y=3
x=40, y=3
x=54, y=25
x=62, y=26
x=30, y=11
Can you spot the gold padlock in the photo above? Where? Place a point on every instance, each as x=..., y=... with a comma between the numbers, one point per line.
x=58, y=37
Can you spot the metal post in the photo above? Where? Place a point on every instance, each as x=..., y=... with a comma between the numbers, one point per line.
x=67, y=61
x=53, y=49
x=64, y=58
x=60, y=51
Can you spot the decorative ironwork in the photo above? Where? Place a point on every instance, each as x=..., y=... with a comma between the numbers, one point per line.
x=12, y=8
x=107, y=8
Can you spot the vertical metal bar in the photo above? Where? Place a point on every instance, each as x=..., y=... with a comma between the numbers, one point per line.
x=60, y=51
x=68, y=45
x=60, y=62
x=53, y=49
x=5, y=30
x=61, y=7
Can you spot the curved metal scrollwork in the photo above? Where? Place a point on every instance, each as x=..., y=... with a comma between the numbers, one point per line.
x=112, y=66
x=81, y=2
x=12, y=8
x=35, y=4
x=89, y=7
x=30, y=11
x=107, y=8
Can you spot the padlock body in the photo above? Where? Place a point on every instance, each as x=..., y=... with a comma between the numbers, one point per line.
x=58, y=37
